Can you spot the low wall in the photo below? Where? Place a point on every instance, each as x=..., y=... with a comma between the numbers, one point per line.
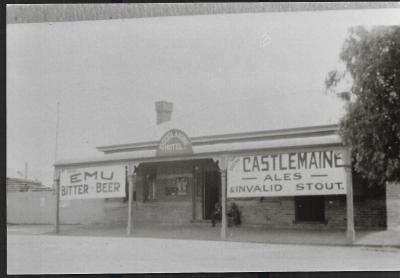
x=31, y=207
x=39, y=207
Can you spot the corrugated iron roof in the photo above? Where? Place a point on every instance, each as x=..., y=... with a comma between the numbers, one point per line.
x=22, y=184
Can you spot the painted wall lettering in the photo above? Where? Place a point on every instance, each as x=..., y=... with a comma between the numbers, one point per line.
x=93, y=182
x=287, y=174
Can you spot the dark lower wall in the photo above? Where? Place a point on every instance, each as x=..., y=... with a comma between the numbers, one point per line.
x=86, y=211
x=266, y=211
x=369, y=213
x=281, y=213
x=163, y=212
x=152, y=212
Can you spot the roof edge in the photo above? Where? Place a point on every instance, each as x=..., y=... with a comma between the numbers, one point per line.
x=207, y=151
x=229, y=138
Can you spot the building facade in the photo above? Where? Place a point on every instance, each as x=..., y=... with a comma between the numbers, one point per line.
x=177, y=180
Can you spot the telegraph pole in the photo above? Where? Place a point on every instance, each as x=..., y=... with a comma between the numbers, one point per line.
x=56, y=177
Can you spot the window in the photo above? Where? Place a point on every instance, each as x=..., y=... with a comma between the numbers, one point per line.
x=310, y=209
x=179, y=188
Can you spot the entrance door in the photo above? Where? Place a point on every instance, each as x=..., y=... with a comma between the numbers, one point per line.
x=212, y=187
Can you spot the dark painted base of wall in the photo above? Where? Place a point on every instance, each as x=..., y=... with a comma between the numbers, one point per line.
x=273, y=213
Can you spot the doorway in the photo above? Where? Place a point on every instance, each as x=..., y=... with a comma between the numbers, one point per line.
x=310, y=208
x=212, y=182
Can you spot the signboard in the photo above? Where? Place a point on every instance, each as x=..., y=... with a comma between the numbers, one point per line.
x=93, y=182
x=174, y=142
x=179, y=189
x=287, y=174
x=181, y=184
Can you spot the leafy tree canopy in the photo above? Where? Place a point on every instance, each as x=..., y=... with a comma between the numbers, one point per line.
x=371, y=125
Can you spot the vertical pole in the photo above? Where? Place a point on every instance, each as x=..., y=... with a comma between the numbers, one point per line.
x=193, y=200
x=153, y=182
x=223, y=202
x=57, y=127
x=194, y=191
x=56, y=176
x=57, y=189
x=26, y=170
x=203, y=189
x=350, y=235
x=130, y=200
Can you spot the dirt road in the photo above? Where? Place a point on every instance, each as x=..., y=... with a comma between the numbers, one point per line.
x=36, y=254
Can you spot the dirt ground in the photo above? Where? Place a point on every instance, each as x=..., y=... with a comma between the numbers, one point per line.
x=50, y=254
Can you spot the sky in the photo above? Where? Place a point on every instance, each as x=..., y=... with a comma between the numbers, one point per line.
x=106, y=75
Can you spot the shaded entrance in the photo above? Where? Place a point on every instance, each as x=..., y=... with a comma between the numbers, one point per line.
x=207, y=184
x=212, y=185
x=176, y=192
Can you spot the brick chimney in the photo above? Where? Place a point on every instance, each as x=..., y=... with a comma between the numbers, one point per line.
x=164, y=111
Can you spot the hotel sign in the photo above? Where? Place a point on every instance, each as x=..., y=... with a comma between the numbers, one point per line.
x=287, y=174
x=174, y=142
x=93, y=182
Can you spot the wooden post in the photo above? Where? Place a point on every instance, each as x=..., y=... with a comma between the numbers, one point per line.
x=350, y=235
x=223, y=203
x=194, y=191
x=132, y=181
x=57, y=189
x=222, y=164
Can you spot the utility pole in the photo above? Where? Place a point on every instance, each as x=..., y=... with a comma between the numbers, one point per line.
x=57, y=124
x=26, y=170
x=56, y=177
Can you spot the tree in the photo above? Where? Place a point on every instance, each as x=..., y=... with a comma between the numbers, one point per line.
x=371, y=125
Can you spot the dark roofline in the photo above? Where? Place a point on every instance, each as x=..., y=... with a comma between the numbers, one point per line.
x=230, y=138
x=81, y=12
x=22, y=180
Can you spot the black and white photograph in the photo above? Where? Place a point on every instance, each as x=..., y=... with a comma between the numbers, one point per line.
x=202, y=137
